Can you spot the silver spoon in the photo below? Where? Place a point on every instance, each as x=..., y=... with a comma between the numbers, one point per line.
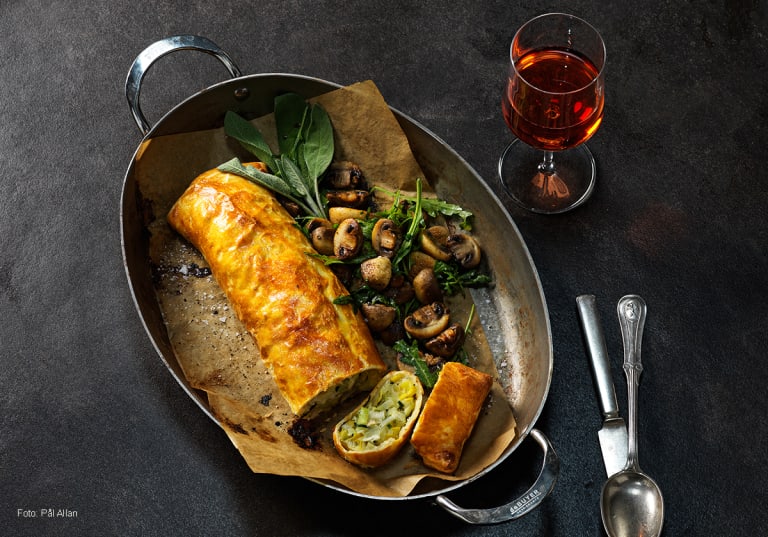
x=631, y=504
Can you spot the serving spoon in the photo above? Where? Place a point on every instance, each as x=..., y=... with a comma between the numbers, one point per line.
x=631, y=503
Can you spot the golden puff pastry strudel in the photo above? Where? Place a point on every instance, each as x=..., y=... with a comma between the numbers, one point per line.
x=318, y=352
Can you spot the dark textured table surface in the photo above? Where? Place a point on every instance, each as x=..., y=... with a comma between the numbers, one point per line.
x=91, y=421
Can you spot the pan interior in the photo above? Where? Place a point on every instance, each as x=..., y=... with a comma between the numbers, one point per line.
x=513, y=312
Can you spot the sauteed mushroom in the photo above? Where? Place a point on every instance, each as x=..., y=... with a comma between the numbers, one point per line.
x=427, y=321
x=434, y=241
x=321, y=234
x=400, y=289
x=376, y=272
x=339, y=214
x=348, y=239
x=419, y=261
x=426, y=286
x=465, y=249
x=447, y=342
x=344, y=175
x=378, y=316
x=385, y=237
x=355, y=199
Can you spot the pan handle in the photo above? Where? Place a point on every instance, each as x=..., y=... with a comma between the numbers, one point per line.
x=157, y=50
x=519, y=506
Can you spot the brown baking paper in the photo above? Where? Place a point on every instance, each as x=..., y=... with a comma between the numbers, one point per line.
x=218, y=355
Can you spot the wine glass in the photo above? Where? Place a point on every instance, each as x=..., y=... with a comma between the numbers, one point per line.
x=553, y=103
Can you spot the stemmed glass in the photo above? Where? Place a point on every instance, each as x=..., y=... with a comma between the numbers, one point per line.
x=553, y=103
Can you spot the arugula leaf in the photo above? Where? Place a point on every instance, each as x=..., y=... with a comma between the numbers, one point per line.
x=434, y=207
x=409, y=354
x=249, y=137
x=417, y=222
x=452, y=279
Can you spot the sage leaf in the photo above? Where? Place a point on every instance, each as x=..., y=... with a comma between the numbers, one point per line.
x=290, y=110
x=267, y=180
x=292, y=176
x=318, y=143
x=249, y=137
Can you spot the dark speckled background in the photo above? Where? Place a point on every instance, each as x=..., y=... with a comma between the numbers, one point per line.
x=91, y=421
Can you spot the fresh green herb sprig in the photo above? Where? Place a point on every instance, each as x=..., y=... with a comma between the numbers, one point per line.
x=452, y=280
x=306, y=146
x=435, y=207
x=409, y=354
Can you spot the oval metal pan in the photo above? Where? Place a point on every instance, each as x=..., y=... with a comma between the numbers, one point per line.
x=514, y=313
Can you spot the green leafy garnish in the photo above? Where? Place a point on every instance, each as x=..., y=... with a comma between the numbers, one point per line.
x=409, y=354
x=306, y=146
x=452, y=280
x=435, y=207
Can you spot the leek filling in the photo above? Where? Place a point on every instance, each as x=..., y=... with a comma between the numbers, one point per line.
x=382, y=416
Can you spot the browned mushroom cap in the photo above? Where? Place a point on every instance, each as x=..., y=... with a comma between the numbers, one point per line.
x=321, y=234
x=376, y=272
x=427, y=321
x=378, y=316
x=426, y=286
x=385, y=237
x=434, y=241
x=465, y=249
x=348, y=239
x=344, y=175
x=355, y=199
x=418, y=261
x=400, y=289
x=339, y=214
x=447, y=342
x=391, y=334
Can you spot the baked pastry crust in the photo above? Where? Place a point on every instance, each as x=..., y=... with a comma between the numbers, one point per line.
x=449, y=415
x=318, y=352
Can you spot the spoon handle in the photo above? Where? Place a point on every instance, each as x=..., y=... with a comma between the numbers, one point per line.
x=632, y=312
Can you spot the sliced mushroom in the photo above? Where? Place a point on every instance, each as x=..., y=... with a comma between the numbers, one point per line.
x=385, y=237
x=344, y=175
x=434, y=241
x=345, y=272
x=391, y=334
x=378, y=316
x=427, y=321
x=418, y=261
x=355, y=199
x=426, y=286
x=348, y=239
x=465, y=249
x=321, y=234
x=376, y=272
x=339, y=214
x=400, y=289
x=447, y=342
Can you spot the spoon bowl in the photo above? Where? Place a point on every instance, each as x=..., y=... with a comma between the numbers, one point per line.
x=634, y=505
x=631, y=503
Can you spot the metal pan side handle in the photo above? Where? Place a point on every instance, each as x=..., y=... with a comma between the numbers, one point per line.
x=518, y=507
x=157, y=50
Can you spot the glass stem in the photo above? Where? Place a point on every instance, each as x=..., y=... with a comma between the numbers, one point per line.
x=547, y=166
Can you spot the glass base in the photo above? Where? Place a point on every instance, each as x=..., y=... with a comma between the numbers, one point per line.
x=562, y=187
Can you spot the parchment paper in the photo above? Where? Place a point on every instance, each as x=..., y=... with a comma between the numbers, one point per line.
x=219, y=357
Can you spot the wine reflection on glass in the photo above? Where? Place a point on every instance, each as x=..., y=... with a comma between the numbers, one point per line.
x=553, y=103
